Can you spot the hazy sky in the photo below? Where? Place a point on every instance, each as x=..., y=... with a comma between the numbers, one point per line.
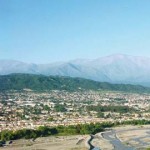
x=44, y=31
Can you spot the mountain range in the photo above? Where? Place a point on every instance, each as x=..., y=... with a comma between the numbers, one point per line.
x=117, y=68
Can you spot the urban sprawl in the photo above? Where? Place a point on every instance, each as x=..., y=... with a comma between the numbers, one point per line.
x=31, y=109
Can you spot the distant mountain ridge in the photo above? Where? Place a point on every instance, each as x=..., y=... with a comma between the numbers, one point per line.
x=114, y=69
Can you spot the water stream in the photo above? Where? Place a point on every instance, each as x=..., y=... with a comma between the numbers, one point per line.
x=118, y=145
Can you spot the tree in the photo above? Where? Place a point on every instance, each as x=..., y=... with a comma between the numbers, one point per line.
x=60, y=108
x=100, y=115
x=6, y=135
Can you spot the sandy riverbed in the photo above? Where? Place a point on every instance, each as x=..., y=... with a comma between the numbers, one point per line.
x=126, y=134
x=136, y=136
x=49, y=143
x=102, y=143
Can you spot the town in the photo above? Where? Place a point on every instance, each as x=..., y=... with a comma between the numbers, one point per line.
x=31, y=109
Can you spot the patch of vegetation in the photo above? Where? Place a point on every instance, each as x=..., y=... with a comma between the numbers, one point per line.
x=60, y=108
x=118, y=109
x=79, y=129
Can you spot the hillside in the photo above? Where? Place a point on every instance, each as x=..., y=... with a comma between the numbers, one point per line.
x=40, y=83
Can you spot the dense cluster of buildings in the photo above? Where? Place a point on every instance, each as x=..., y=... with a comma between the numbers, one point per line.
x=30, y=109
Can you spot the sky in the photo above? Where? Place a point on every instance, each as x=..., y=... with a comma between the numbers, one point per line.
x=44, y=31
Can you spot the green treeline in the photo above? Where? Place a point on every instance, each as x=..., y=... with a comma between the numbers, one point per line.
x=41, y=82
x=43, y=131
x=80, y=129
x=118, y=109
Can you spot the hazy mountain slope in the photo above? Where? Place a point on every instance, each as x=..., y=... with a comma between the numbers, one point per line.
x=12, y=66
x=114, y=69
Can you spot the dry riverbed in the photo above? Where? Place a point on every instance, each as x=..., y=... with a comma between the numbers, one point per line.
x=49, y=143
x=135, y=136
x=132, y=135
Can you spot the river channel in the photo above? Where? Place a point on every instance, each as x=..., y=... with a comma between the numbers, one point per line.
x=117, y=144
